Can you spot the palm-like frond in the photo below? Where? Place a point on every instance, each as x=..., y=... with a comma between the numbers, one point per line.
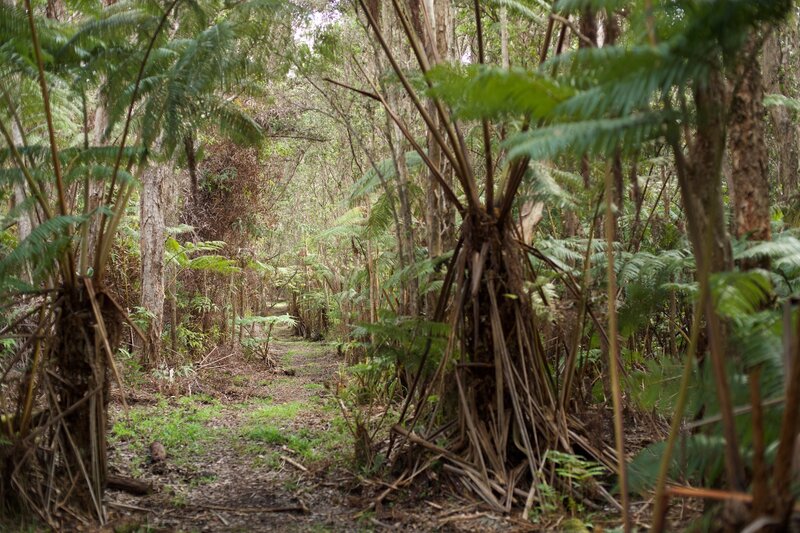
x=39, y=251
x=524, y=10
x=481, y=91
x=597, y=136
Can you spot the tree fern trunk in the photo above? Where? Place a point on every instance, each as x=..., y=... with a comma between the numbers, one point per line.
x=82, y=391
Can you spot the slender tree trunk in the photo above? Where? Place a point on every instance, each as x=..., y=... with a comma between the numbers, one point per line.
x=504, y=59
x=405, y=231
x=432, y=28
x=785, y=130
x=191, y=164
x=700, y=182
x=96, y=187
x=26, y=219
x=152, y=230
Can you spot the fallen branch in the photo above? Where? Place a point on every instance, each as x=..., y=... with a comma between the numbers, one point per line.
x=283, y=509
x=712, y=494
x=129, y=485
x=294, y=463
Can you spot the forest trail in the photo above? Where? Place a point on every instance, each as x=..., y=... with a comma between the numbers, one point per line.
x=237, y=447
x=253, y=449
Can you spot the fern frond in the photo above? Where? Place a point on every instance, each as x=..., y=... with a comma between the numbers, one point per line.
x=523, y=10
x=773, y=100
x=601, y=136
x=46, y=243
x=482, y=91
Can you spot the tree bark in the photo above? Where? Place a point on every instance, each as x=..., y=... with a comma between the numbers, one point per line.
x=24, y=221
x=191, y=165
x=55, y=9
x=504, y=59
x=700, y=179
x=436, y=17
x=96, y=187
x=748, y=150
x=152, y=229
x=405, y=232
x=700, y=182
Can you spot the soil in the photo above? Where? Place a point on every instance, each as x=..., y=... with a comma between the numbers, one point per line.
x=226, y=486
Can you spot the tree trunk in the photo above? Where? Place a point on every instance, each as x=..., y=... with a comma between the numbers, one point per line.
x=96, y=187
x=405, y=231
x=700, y=181
x=748, y=151
x=80, y=369
x=504, y=59
x=55, y=9
x=191, y=164
x=784, y=128
x=25, y=219
x=438, y=212
x=152, y=229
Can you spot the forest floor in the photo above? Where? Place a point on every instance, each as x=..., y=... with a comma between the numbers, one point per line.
x=253, y=449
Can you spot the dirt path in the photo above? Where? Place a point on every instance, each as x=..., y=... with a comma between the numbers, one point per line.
x=237, y=448
x=251, y=449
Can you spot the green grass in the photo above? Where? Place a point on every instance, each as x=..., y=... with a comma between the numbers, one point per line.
x=240, y=381
x=203, y=480
x=307, y=348
x=271, y=425
x=276, y=412
x=182, y=427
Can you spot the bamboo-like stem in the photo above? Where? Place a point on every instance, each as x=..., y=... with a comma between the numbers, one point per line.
x=659, y=512
x=613, y=353
x=487, y=138
x=51, y=132
x=376, y=95
x=450, y=126
x=458, y=161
